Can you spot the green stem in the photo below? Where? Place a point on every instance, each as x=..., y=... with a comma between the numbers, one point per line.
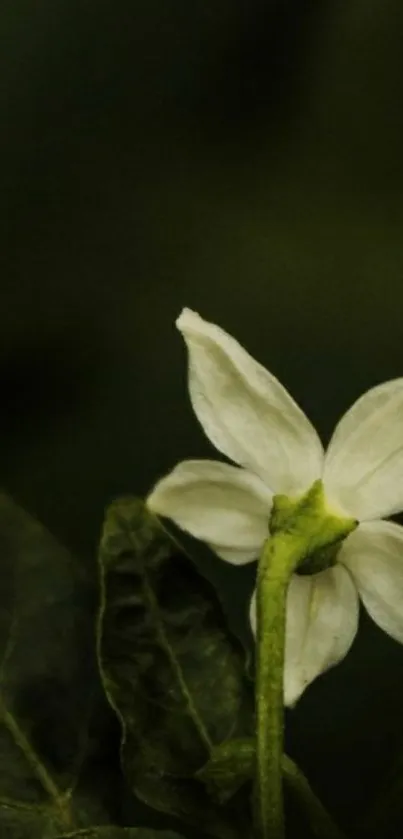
x=302, y=529
x=281, y=554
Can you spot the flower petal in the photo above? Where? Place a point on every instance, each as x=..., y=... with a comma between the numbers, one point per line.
x=245, y=411
x=227, y=507
x=322, y=620
x=364, y=463
x=374, y=556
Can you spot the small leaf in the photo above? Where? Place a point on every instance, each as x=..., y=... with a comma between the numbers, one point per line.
x=170, y=669
x=48, y=683
x=230, y=766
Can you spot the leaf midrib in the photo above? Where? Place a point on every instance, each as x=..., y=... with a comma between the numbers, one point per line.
x=161, y=635
x=36, y=765
x=175, y=664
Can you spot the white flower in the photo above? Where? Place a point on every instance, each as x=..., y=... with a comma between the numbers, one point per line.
x=249, y=417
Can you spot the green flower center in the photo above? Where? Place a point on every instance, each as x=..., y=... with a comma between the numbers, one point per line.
x=307, y=518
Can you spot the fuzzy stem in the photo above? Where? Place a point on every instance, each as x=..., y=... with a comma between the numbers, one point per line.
x=301, y=529
x=280, y=556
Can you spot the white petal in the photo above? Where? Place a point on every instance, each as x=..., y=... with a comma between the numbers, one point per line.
x=322, y=620
x=374, y=556
x=245, y=411
x=227, y=507
x=363, y=470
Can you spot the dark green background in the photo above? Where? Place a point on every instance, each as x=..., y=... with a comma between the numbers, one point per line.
x=240, y=158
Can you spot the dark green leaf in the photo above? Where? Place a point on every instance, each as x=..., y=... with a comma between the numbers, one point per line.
x=170, y=669
x=112, y=832
x=48, y=683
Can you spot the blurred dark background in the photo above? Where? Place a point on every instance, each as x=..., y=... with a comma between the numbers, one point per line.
x=240, y=158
